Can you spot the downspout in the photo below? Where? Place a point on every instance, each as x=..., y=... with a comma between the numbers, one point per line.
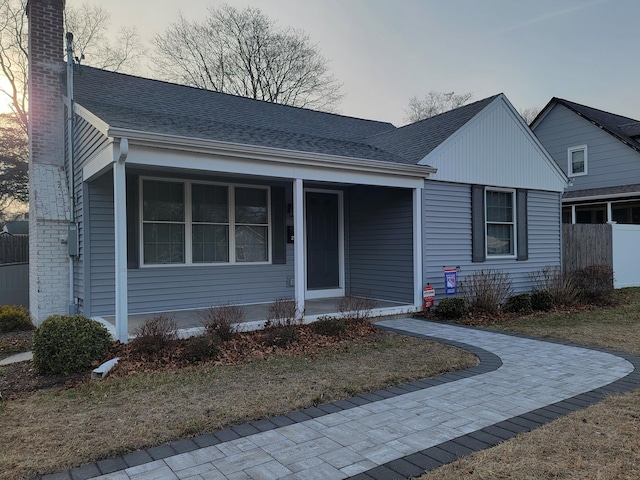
x=73, y=229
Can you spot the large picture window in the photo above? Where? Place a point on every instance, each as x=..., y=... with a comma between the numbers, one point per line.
x=500, y=217
x=198, y=223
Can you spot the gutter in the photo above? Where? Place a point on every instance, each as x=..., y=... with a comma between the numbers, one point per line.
x=270, y=154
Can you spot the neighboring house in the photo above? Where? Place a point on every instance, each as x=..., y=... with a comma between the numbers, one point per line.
x=184, y=198
x=15, y=228
x=600, y=153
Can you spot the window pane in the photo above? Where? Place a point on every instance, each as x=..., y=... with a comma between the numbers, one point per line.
x=210, y=203
x=163, y=243
x=210, y=243
x=577, y=161
x=251, y=205
x=251, y=244
x=499, y=206
x=162, y=201
x=499, y=239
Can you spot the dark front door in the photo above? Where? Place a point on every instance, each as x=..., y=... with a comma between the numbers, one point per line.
x=323, y=240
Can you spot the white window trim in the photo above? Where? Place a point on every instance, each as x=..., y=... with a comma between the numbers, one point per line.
x=513, y=223
x=570, y=171
x=188, y=241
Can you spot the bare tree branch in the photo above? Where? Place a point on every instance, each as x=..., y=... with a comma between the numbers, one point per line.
x=245, y=53
x=89, y=25
x=434, y=103
x=529, y=114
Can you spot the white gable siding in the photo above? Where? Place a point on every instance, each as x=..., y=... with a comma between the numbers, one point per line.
x=610, y=162
x=495, y=149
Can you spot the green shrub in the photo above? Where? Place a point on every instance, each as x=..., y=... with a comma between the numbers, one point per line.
x=356, y=308
x=486, y=290
x=200, y=348
x=452, y=308
x=154, y=334
x=329, y=326
x=222, y=320
x=65, y=344
x=520, y=303
x=14, y=319
x=281, y=336
x=541, y=301
x=595, y=284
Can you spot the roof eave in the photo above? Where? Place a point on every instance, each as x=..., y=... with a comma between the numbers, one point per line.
x=199, y=145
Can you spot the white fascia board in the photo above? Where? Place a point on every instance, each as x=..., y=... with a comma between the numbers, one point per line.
x=97, y=122
x=169, y=151
x=99, y=163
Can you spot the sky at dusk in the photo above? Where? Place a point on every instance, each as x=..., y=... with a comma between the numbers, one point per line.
x=384, y=52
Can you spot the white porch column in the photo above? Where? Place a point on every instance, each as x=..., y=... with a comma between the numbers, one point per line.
x=609, y=213
x=120, y=228
x=573, y=214
x=298, y=242
x=417, y=247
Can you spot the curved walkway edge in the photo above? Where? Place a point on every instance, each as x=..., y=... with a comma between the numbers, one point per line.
x=520, y=384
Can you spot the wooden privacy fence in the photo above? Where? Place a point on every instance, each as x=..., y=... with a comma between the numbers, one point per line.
x=14, y=249
x=586, y=244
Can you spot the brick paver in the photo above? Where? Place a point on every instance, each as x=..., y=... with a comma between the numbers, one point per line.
x=397, y=433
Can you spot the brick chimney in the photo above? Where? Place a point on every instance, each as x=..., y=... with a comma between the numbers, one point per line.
x=49, y=204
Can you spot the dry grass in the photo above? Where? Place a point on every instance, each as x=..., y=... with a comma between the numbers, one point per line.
x=601, y=442
x=54, y=430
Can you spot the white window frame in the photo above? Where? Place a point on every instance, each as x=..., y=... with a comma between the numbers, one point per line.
x=513, y=223
x=188, y=241
x=570, y=152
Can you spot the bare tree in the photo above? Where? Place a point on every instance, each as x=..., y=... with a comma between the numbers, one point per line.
x=245, y=53
x=434, y=103
x=14, y=156
x=90, y=24
x=529, y=114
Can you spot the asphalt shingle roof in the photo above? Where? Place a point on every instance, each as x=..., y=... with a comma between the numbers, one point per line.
x=136, y=103
x=624, y=128
x=416, y=140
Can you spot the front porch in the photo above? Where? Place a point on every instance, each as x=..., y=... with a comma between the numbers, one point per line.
x=191, y=321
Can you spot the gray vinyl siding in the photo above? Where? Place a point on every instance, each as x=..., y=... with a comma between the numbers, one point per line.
x=87, y=142
x=610, y=162
x=447, y=236
x=380, y=243
x=155, y=289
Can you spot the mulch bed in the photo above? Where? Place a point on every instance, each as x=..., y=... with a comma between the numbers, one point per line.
x=20, y=378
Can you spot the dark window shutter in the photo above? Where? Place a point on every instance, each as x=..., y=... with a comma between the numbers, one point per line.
x=478, y=249
x=133, y=247
x=278, y=226
x=522, y=227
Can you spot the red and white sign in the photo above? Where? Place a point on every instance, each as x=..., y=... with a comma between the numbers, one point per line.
x=428, y=296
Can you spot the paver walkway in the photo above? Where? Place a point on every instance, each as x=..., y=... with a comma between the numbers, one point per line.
x=520, y=384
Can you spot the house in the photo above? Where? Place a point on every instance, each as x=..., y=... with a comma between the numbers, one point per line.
x=17, y=227
x=600, y=153
x=172, y=197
